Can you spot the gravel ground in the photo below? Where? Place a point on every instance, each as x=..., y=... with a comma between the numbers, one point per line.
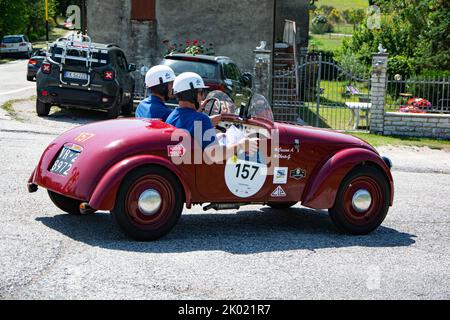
x=256, y=253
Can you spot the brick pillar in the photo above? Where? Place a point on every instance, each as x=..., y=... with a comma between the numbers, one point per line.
x=262, y=82
x=378, y=92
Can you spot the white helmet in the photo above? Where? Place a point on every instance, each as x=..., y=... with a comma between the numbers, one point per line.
x=188, y=81
x=159, y=75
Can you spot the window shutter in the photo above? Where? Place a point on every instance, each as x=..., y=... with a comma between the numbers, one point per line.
x=143, y=10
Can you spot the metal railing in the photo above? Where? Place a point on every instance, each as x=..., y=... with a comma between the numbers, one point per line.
x=401, y=93
x=328, y=96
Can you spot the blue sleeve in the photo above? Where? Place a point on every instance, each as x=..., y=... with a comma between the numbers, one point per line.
x=209, y=133
x=141, y=111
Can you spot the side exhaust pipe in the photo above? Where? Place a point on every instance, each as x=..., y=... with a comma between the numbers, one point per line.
x=224, y=206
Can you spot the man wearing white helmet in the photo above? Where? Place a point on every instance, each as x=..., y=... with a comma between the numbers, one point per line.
x=159, y=80
x=188, y=88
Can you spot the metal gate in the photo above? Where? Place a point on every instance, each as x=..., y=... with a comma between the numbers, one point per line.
x=319, y=92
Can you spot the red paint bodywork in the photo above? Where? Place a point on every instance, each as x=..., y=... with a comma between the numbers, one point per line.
x=117, y=147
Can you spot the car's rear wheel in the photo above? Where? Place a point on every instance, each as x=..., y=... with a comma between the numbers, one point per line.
x=362, y=201
x=148, y=204
x=281, y=205
x=66, y=204
x=42, y=109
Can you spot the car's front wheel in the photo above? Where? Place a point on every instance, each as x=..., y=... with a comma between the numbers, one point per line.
x=148, y=204
x=42, y=109
x=362, y=201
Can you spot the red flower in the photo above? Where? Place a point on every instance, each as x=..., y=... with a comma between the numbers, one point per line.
x=195, y=42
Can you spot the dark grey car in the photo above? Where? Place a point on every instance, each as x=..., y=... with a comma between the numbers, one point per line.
x=86, y=75
x=34, y=64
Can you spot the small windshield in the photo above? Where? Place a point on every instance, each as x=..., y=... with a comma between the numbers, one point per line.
x=12, y=39
x=219, y=102
x=204, y=69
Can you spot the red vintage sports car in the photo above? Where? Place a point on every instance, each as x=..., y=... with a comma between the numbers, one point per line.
x=134, y=169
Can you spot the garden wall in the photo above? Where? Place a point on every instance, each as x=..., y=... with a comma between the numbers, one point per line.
x=417, y=125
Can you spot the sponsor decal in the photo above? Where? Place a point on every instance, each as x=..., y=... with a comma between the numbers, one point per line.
x=84, y=136
x=282, y=150
x=298, y=174
x=282, y=156
x=176, y=151
x=280, y=175
x=278, y=193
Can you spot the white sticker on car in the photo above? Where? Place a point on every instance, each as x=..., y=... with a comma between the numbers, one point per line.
x=245, y=176
x=280, y=175
x=278, y=193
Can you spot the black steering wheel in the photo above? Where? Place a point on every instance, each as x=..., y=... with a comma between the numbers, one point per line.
x=219, y=103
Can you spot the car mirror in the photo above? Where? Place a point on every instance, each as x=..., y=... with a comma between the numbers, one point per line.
x=131, y=67
x=247, y=80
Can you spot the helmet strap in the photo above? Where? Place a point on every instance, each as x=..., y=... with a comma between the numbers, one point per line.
x=194, y=96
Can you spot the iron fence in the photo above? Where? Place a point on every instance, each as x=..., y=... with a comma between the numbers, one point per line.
x=403, y=93
x=139, y=82
x=323, y=94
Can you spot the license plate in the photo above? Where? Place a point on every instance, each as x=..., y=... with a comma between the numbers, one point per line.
x=75, y=75
x=65, y=160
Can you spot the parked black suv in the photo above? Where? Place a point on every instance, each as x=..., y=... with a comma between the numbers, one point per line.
x=78, y=73
x=219, y=73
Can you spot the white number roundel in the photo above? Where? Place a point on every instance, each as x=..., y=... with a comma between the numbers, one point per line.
x=245, y=178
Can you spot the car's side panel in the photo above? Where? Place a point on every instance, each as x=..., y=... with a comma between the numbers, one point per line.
x=322, y=188
x=104, y=195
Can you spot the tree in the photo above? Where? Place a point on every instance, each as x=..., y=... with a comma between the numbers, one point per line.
x=12, y=19
x=24, y=16
x=414, y=31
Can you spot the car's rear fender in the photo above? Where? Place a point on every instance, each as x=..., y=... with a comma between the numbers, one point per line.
x=322, y=187
x=104, y=195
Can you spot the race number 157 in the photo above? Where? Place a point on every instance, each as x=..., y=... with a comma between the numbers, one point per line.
x=246, y=171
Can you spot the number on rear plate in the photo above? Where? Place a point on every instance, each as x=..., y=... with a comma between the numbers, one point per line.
x=65, y=161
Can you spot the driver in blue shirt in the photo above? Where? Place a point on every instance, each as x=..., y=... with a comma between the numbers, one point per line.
x=188, y=89
x=159, y=80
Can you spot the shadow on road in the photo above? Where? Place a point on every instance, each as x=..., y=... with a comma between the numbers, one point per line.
x=247, y=232
x=77, y=116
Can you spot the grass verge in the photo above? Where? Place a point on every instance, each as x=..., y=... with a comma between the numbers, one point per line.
x=8, y=106
x=378, y=140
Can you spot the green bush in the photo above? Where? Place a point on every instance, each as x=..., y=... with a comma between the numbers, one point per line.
x=320, y=25
x=401, y=65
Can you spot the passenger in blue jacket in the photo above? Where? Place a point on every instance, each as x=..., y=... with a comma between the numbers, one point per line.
x=159, y=80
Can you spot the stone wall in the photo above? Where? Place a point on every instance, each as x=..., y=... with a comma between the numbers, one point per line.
x=110, y=22
x=417, y=125
x=235, y=27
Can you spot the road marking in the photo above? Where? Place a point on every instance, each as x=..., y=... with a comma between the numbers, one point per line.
x=15, y=91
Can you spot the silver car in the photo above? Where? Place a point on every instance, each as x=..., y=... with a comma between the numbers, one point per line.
x=16, y=45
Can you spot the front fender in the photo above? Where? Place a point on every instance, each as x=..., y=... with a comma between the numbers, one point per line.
x=104, y=195
x=321, y=190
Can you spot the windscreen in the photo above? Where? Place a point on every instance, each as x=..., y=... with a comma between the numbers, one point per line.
x=204, y=69
x=218, y=102
x=12, y=40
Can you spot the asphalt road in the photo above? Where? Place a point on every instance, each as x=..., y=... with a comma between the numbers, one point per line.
x=256, y=253
x=13, y=82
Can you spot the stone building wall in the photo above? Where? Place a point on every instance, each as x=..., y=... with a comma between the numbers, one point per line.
x=235, y=27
